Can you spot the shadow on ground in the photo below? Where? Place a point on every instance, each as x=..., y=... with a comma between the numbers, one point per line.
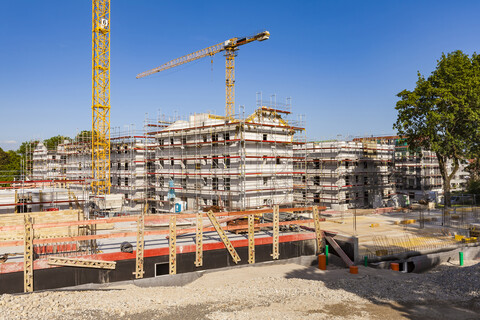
x=447, y=292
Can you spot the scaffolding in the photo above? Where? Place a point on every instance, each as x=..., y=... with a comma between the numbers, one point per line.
x=349, y=174
x=207, y=160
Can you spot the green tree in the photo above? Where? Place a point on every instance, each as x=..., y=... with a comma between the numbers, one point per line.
x=10, y=164
x=473, y=187
x=26, y=147
x=53, y=142
x=84, y=134
x=474, y=169
x=442, y=113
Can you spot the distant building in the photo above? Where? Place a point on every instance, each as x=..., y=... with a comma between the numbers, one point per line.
x=348, y=174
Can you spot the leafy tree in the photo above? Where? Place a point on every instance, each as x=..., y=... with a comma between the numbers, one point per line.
x=53, y=142
x=10, y=165
x=26, y=147
x=442, y=113
x=473, y=187
x=84, y=135
x=474, y=169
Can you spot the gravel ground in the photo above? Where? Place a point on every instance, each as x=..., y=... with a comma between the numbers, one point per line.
x=271, y=292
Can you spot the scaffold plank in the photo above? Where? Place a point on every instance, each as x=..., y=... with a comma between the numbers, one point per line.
x=199, y=240
x=172, y=260
x=251, y=239
x=276, y=232
x=82, y=263
x=223, y=236
x=28, y=255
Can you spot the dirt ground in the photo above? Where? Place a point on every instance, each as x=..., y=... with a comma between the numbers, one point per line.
x=270, y=291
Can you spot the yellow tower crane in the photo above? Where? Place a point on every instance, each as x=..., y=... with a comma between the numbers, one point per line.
x=230, y=47
x=101, y=97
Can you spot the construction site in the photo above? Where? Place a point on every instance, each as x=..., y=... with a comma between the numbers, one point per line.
x=196, y=210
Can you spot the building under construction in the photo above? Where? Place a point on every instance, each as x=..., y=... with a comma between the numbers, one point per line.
x=191, y=164
x=209, y=161
x=417, y=172
x=348, y=174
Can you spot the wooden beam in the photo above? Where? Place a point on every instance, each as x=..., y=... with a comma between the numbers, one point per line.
x=223, y=236
x=199, y=240
x=251, y=239
x=28, y=255
x=339, y=250
x=172, y=251
x=276, y=230
x=82, y=263
x=318, y=231
x=140, y=246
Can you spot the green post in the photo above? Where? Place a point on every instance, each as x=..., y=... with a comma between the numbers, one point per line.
x=366, y=261
x=461, y=258
x=326, y=253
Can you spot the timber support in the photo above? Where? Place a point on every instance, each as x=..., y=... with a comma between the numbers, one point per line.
x=28, y=255
x=251, y=239
x=276, y=232
x=82, y=263
x=199, y=240
x=172, y=260
x=318, y=231
x=223, y=236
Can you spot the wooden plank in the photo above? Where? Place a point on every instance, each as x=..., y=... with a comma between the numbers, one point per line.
x=223, y=236
x=251, y=239
x=276, y=224
x=199, y=241
x=339, y=250
x=82, y=263
x=28, y=255
x=172, y=244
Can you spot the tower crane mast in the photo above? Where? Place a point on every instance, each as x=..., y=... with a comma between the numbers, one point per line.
x=101, y=97
x=229, y=47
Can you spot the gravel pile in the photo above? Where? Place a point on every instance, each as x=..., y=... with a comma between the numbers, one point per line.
x=266, y=292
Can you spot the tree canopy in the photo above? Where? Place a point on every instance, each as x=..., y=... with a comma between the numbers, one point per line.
x=53, y=142
x=442, y=113
x=9, y=165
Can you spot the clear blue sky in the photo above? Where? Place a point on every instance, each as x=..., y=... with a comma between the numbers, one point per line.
x=342, y=62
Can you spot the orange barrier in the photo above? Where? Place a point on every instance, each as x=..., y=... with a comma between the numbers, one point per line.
x=322, y=262
x=395, y=266
x=353, y=269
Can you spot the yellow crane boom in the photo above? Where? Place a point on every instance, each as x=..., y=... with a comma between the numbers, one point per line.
x=229, y=46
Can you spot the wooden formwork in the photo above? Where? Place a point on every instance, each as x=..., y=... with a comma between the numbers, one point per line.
x=31, y=233
x=39, y=218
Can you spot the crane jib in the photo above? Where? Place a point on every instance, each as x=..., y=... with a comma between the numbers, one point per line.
x=230, y=46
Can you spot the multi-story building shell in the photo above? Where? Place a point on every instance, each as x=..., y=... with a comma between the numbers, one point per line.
x=235, y=164
x=348, y=174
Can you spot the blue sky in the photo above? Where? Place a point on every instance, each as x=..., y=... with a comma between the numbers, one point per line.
x=342, y=62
